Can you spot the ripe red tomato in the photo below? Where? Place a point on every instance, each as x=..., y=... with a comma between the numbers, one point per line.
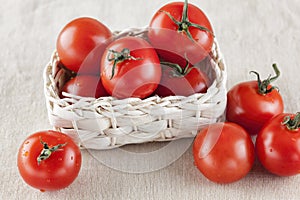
x=85, y=86
x=49, y=160
x=251, y=104
x=277, y=145
x=181, y=30
x=130, y=67
x=81, y=43
x=181, y=80
x=223, y=152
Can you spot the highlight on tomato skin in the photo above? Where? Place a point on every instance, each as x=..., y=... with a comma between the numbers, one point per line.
x=181, y=29
x=277, y=145
x=252, y=103
x=223, y=152
x=181, y=79
x=84, y=86
x=81, y=43
x=130, y=67
x=49, y=160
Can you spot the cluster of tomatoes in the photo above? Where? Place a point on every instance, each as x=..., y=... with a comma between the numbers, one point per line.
x=161, y=63
x=100, y=64
x=179, y=36
x=225, y=152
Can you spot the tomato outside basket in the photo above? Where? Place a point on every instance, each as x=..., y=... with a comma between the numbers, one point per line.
x=107, y=122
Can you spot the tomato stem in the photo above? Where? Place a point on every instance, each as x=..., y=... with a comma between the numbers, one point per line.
x=292, y=124
x=118, y=57
x=185, y=11
x=179, y=71
x=46, y=151
x=263, y=86
x=185, y=24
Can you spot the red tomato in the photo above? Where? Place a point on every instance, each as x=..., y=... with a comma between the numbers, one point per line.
x=130, y=67
x=49, y=160
x=181, y=80
x=81, y=43
x=223, y=152
x=251, y=104
x=277, y=145
x=85, y=86
x=181, y=30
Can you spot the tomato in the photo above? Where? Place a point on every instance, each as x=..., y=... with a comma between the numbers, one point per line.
x=130, y=67
x=81, y=43
x=181, y=80
x=49, y=160
x=277, y=145
x=85, y=86
x=223, y=152
x=181, y=30
x=251, y=104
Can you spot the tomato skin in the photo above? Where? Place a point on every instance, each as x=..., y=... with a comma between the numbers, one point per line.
x=278, y=148
x=85, y=86
x=251, y=110
x=193, y=82
x=137, y=77
x=164, y=36
x=223, y=152
x=54, y=173
x=81, y=43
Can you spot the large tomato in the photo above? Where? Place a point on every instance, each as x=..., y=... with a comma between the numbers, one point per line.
x=223, y=152
x=81, y=43
x=181, y=30
x=49, y=160
x=181, y=80
x=277, y=145
x=130, y=67
x=251, y=104
x=85, y=86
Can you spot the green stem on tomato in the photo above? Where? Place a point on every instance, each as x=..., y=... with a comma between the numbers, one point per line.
x=263, y=86
x=185, y=11
x=184, y=24
x=179, y=71
x=46, y=151
x=292, y=124
x=119, y=57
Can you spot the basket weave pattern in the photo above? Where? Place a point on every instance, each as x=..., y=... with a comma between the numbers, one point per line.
x=107, y=122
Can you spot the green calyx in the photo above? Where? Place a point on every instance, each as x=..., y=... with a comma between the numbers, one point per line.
x=184, y=24
x=118, y=57
x=292, y=124
x=263, y=86
x=46, y=152
x=178, y=71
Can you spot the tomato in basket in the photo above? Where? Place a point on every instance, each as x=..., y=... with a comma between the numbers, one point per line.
x=130, y=67
x=223, y=152
x=277, y=145
x=181, y=30
x=49, y=160
x=252, y=103
x=181, y=79
x=81, y=43
x=84, y=86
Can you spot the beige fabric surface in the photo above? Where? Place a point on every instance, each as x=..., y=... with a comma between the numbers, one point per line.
x=252, y=34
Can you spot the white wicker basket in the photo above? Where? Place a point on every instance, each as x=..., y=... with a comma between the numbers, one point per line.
x=107, y=122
